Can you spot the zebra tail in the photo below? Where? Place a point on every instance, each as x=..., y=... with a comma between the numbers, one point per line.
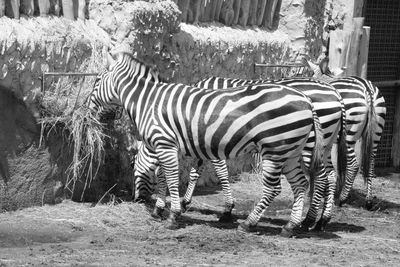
x=318, y=150
x=367, y=142
x=342, y=153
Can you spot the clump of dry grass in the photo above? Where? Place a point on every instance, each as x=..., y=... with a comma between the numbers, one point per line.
x=64, y=106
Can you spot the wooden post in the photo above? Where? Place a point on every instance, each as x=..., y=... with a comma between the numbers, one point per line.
x=68, y=9
x=2, y=8
x=44, y=7
x=12, y=8
x=338, y=46
x=244, y=12
x=260, y=11
x=218, y=9
x=354, y=47
x=269, y=13
x=396, y=133
x=253, y=13
x=362, y=63
x=206, y=15
x=236, y=8
x=227, y=13
x=358, y=9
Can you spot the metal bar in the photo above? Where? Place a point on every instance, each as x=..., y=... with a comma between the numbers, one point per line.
x=387, y=83
x=69, y=74
x=279, y=65
x=44, y=74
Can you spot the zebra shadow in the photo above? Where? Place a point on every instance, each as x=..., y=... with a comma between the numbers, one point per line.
x=267, y=226
x=357, y=198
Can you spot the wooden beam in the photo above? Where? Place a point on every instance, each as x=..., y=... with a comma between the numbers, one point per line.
x=362, y=64
x=354, y=46
x=358, y=10
x=396, y=134
x=338, y=47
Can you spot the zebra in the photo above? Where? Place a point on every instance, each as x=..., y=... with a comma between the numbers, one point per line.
x=146, y=170
x=364, y=101
x=365, y=118
x=366, y=108
x=172, y=119
x=330, y=107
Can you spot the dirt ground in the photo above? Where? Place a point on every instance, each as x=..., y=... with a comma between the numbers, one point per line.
x=76, y=234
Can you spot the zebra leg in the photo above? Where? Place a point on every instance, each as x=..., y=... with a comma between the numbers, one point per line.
x=194, y=177
x=329, y=202
x=370, y=176
x=159, y=208
x=319, y=183
x=169, y=163
x=146, y=165
x=297, y=180
x=222, y=174
x=271, y=188
x=352, y=169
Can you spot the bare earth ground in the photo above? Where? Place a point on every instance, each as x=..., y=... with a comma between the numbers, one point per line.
x=123, y=235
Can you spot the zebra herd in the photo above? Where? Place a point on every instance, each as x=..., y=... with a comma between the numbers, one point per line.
x=291, y=123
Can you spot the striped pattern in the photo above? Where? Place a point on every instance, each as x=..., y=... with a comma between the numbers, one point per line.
x=365, y=110
x=274, y=120
x=330, y=108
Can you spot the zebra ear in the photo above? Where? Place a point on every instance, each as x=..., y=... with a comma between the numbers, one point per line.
x=110, y=60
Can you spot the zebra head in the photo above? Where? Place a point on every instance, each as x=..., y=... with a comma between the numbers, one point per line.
x=104, y=99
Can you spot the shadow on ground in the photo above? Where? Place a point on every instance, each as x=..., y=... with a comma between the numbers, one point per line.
x=357, y=198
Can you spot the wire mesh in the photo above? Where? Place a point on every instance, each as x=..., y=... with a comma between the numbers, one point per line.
x=384, y=48
x=384, y=157
x=383, y=62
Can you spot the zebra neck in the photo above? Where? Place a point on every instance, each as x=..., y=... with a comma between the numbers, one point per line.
x=138, y=98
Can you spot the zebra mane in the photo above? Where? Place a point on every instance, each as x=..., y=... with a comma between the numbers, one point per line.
x=141, y=62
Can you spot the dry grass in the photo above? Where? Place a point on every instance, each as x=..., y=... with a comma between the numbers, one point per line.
x=64, y=105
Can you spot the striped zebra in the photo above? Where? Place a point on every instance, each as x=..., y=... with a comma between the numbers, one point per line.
x=366, y=111
x=146, y=172
x=173, y=119
x=330, y=108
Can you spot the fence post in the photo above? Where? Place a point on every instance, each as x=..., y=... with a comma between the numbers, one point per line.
x=354, y=46
x=362, y=64
x=2, y=8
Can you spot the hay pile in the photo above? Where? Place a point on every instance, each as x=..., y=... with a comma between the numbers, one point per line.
x=64, y=110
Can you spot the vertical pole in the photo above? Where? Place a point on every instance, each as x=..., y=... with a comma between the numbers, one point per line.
x=362, y=64
x=396, y=133
x=354, y=46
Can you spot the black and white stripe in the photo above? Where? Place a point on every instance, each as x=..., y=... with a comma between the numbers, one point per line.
x=274, y=120
x=365, y=109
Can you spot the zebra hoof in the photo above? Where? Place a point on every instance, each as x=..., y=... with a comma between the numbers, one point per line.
x=184, y=205
x=157, y=214
x=171, y=222
x=306, y=225
x=340, y=202
x=226, y=218
x=245, y=227
x=288, y=230
x=321, y=224
x=369, y=205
